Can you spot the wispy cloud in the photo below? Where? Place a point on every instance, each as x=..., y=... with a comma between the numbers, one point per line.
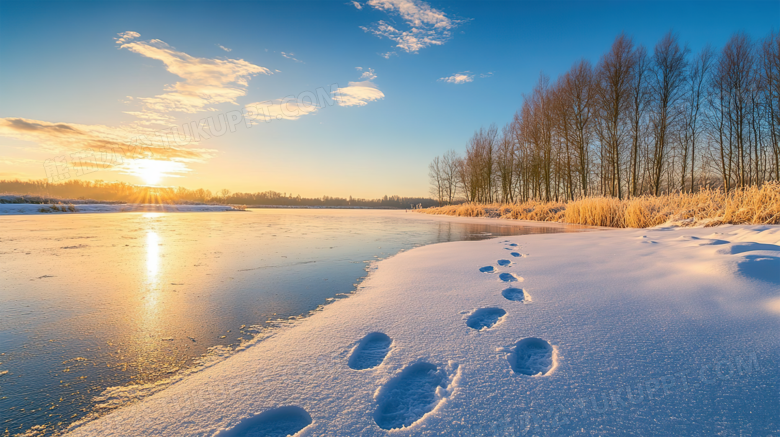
x=291, y=56
x=463, y=77
x=126, y=36
x=357, y=5
x=368, y=74
x=65, y=138
x=424, y=25
x=224, y=48
x=206, y=81
x=288, y=108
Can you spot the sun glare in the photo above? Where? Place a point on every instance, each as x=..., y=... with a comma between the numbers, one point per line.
x=153, y=171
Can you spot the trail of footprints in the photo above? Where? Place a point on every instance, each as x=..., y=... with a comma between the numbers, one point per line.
x=414, y=391
x=530, y=356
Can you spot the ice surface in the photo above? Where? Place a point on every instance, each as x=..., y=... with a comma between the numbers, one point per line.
x=623, y=338
x=31, y=208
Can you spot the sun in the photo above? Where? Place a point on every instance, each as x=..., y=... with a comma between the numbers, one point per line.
x=153, y=171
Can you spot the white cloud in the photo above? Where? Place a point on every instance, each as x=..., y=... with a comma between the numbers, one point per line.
x=291, y=56
x=361, y=92
x=126, y=36
x=388, y=54
x=417, y=13
x=224, y=48
x=357, y=5
x=358, y=94
x=206, y=81
x=426, y=26
x=458, y=78
x=484, y=75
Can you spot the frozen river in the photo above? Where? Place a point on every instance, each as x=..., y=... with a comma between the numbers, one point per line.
x=91, y=301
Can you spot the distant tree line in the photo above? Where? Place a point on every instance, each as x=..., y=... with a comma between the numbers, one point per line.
x=123, y=192
x=638, y=122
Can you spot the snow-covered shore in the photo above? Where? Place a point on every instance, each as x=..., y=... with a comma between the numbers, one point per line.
x=33, y=208
x=622, y=332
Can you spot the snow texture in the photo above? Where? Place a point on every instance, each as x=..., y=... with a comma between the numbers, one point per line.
x=631, y=332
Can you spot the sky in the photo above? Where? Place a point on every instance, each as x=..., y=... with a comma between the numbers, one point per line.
x=338, y=98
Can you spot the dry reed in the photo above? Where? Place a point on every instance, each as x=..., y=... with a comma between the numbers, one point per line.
x=751, y=205
x=59, y=207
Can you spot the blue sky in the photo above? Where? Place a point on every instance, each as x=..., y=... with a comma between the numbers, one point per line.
x=61, y=66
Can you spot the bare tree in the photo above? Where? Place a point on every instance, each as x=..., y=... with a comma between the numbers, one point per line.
x=449, y=168
x=698, y=76
x=577, y=93
x=436, y=177
x=612, y=107
x=667, y=88
x=640, y=98
x=770, y=85
x=505, y=164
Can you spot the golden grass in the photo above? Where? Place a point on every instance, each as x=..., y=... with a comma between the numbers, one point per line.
x=752, y=205
x=59, y=207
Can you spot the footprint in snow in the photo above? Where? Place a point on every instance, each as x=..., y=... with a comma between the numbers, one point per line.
x=503, y=262
x=515, y=254
x=509, y=277
x=514, y=294
x=278, y=422
x=487, y=269
x=370, y=352
x=532, y=356
x=761, y=267
x=513, y=244
x=409, y=396
x=485, y=318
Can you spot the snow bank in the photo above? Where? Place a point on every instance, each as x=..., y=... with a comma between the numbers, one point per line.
x=623, y=332
x=30, y=208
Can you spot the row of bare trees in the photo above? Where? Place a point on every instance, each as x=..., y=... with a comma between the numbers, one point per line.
x=638, y=122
